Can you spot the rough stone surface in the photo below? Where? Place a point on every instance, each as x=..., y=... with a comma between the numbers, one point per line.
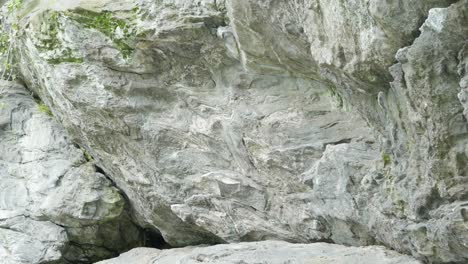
x=216, y=151
x=463, y=72
x=54, y=206
x=302, y=120
x=271, y=252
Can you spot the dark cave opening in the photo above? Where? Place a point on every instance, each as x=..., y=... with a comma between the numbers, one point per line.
x=154, y=239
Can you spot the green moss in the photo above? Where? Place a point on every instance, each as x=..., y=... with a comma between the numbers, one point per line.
x=44, y=109
x=4, y=42
x=9, y=32
x=135, y=11
x=109, y=25
x=124, y=49
x=336, y=96
x=386, y=159
x=14, y=5
x=66, y=55
x=49, y=39
x=87, y=156
x=65, y=59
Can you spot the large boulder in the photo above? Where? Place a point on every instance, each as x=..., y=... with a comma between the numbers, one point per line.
x=205, y=151
x=54, y=205
x=227, y=121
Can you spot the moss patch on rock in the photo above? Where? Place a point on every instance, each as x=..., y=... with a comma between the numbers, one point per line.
x=41, y=107
x=337, y=97
x=66, y=59
x=49, y=32
x=49, y=41
x=120, y=31
x=386, y=159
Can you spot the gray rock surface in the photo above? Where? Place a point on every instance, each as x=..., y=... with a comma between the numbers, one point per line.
x=54, y=206
x=216, y=153
x=463, y=72
x=271, y=252
x=304, y=120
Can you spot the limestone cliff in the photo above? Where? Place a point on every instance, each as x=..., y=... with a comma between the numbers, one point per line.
x=225, y=121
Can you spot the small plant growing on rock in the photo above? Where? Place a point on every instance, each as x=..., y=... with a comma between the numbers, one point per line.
x=86, y=155
x=336, y=96
x=386, y=159
x=44, y=109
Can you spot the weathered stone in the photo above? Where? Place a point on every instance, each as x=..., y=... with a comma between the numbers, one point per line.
x=271, y=252
x=227, y=121
x=241, y=141
x=54, y=206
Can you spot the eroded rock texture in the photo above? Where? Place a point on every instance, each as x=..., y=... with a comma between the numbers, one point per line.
x=271, y=252
x=206, y=151
x=304, y=120
x=54, y=206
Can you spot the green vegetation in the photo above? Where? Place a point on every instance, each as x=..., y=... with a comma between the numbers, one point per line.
x=336, y=96
x=44, y=109
x=86, y=155
x=118, y=30
x=65, y=59
x=50, y=39
x=386, y=159
x=218, y=7
x=65, y=56
x=8, y=38
x=14, y=5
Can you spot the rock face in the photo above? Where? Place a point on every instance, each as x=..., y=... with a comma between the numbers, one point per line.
x=214, y=151
x=302, y=120
x=271, y=252
x=54, y=206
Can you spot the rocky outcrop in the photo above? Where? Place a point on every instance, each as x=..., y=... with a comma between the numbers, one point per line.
x=54, y=206
x=304, y=120
x=272, y=252
x=215, y=151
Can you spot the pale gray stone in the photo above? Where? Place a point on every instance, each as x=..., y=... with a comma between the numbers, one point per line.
x=302, y=120
x=271, y=252
x=54, y=206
